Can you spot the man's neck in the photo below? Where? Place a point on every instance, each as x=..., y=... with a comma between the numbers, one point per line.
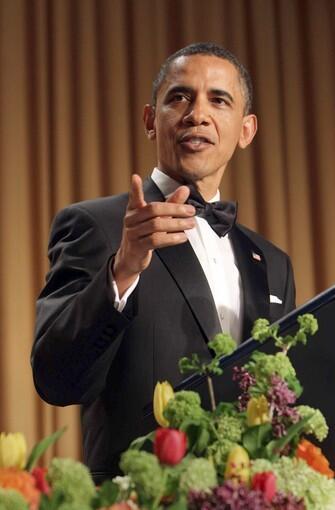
x=168, y=185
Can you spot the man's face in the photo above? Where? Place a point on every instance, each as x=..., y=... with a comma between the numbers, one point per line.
x=199, y=119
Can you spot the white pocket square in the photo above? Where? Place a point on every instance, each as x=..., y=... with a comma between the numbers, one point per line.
x=275, y=299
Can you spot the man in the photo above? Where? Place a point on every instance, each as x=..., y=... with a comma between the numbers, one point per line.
x=137, y=281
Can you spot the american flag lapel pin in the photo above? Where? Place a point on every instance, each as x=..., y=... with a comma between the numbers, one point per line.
x=256, y=256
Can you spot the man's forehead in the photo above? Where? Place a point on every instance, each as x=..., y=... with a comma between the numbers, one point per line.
x=209, y=68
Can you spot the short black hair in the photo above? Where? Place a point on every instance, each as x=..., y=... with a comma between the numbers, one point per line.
x=206, y=48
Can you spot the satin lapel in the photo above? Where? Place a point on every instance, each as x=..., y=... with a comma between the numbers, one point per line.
x=252, y=266
x=185, y=269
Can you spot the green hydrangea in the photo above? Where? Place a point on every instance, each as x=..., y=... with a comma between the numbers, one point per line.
x=231, y=428
x=12, y=500
x=222, y=344
x=295, y=476
x=262, y=330
x=308, y=323
x=263, y=366
x=185, y=404
x=200, y=474
x=316, y=425
x=73, y=480
x=218, y=452
x=145, y=472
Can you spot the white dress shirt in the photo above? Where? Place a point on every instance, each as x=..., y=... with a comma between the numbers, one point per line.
x=217, y=260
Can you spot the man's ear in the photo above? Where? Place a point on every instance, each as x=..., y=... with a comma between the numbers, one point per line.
x=149, y=121
x=248, y=131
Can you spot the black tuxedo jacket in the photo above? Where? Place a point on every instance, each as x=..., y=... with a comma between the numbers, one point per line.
x=86, y=352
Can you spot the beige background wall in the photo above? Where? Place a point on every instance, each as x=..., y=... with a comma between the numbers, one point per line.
x=74, y=75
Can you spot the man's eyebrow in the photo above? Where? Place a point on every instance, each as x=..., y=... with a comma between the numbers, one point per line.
x=182, y=89
x=179, y=89
x=222, y=93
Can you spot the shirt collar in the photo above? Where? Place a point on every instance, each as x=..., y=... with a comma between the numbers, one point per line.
x=167, y=185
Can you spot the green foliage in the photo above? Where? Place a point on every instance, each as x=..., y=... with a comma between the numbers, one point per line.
x=12, y=500
x=256, y=438
x=107, y=495
x=262, y=366
x=222, y=345
x=139, y=442
x=200, y=474
x=262, y=330
x=41, y=447
x=72, y=480
x=173, y=474
x=146, y=474
x=184, y=405
x=316, y=425
x=52, y=502
x=199, y=432
x=259, y=442
x=274, y=448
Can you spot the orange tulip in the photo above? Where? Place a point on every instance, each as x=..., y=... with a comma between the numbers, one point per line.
x=314, y=457
x=23, y=482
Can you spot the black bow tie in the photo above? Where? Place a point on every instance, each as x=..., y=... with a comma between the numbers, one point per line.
x=221, y=216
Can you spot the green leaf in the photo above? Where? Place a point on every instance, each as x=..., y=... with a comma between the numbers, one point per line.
x=41, y=447
x=107, y=494
x=139, y=442
x=179, y=504
x=52, y=502
x=226, y=408
x=273, y=449
x=198, y=435
x=255, y=438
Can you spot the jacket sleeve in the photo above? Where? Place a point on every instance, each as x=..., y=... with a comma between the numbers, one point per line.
x=78, y=330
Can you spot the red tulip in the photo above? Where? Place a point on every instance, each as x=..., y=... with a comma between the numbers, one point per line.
x=170, y=445
x=40, y=480
x=266, y=483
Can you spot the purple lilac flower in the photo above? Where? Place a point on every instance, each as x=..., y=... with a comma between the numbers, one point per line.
x=230, y=496
x=287, y=502
x=244, y=380
x=280, y=397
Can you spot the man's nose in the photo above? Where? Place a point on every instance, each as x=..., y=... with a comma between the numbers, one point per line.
x=196, y=114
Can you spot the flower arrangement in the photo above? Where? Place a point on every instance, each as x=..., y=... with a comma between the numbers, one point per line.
x=249, y=454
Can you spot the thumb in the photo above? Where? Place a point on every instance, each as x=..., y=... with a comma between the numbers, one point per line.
x=180, y=195
x=136, y=195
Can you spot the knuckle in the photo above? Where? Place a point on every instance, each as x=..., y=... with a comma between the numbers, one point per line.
x=156, y=223
x=152, y=208
x=155, y=239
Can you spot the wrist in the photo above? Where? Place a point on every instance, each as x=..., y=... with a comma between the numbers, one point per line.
x=123, y=276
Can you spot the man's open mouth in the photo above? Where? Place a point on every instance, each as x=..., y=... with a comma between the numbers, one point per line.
x=195, y=141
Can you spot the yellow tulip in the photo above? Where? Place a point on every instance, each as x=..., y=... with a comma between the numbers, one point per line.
x=162, y=394
x=257, y=411
x=13, y=450
x=238, y=465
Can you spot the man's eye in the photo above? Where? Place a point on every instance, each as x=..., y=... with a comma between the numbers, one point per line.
x=178, y=98
x=220, y=100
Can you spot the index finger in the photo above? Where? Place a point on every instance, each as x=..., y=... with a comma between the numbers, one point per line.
x=136, y=195
x=180, y=195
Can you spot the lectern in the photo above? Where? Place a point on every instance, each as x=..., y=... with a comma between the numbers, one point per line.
x=314, y=364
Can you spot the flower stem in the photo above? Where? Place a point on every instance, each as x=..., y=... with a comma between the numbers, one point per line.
x=211, y=392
